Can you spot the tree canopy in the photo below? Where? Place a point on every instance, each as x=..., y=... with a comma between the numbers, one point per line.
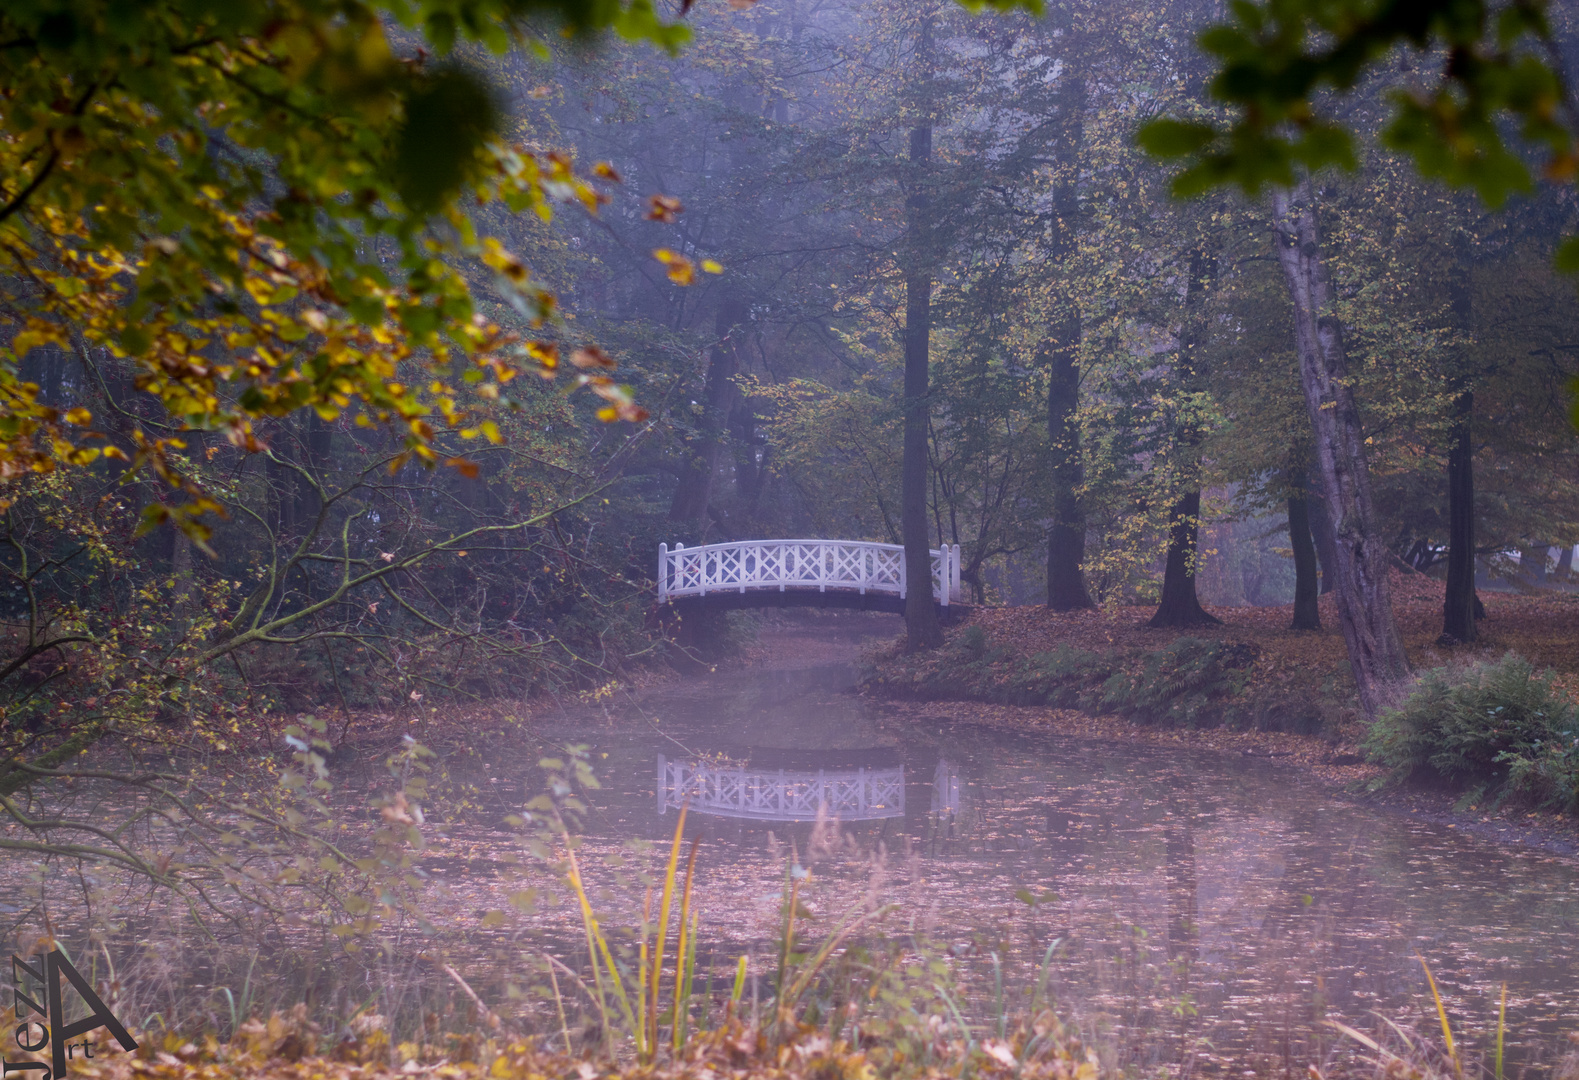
x=261, y=206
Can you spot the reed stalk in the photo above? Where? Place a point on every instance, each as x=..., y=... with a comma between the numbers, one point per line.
x=685, y=949
x=740, y=985
x=1441, y=1012
x=643, y=1047
x=1502, y=1024
x=663, y=929
x=787, y=931
x=598, y=946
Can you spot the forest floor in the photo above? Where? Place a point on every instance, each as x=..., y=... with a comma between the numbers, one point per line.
x=1250, y=686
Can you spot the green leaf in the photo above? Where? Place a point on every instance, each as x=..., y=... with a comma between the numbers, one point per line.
x=1035, y=7
x=441, y=32
x=135, y=340
x=1174, y=138
x=1567, y=257
x=450, y=115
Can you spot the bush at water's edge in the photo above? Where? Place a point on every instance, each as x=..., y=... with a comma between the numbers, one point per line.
x=1190, y=682
x=1493, y=729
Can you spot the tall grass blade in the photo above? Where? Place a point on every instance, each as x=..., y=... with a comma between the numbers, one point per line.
x=959, y=1017
x=1502, y=1024
x=1359, y=1037
x=997, y=978
x=1047, y=971
x=844, y=930
x=684, y=1004
x=740, y=983
x=787, y=932
x=684, y=951
x=1447, y=1031
x=559, y=1003
x=671, y=873
x=598, y=947
x=643, y=954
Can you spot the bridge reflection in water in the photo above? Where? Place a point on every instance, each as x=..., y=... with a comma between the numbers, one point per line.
x=759, y=792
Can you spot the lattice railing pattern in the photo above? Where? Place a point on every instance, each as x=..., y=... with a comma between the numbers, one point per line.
x=746, y=565
x=779, y=794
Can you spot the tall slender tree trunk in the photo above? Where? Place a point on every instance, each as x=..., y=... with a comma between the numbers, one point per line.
x=1365, y=606
x=1066, y=538
x=1458, y=607
x=749, y=454
x=317, y=441
x=1180, y=606
x=693, y=495
x=1458, y=610
x=1321, y=529
x=1307, y=615
x=922, y=629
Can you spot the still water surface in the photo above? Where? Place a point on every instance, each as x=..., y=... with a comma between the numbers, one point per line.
x=1213, y=910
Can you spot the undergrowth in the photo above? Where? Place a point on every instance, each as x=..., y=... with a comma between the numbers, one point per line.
x=1495, y=730
x=1190, y=682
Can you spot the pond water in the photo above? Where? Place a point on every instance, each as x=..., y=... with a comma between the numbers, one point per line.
x=1213, y=910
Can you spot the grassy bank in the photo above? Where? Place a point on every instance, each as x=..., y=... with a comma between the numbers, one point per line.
x=1252, y=673
x=288, y=1047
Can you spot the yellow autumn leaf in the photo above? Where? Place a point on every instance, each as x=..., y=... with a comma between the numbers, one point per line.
x=680, y=269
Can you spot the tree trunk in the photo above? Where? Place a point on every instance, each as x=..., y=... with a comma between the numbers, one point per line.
x=1307, y=615
x=1180, y=606
x=1066, y=538
x=1458, y=611
x=282, y=481
x=750, y=454
x=317, y=441
x=1365, y=606
x=694, y=493
x=1321, y=529
x=922, y=629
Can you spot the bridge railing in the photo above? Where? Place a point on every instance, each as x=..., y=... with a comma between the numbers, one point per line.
x=780, y=794
x=754, y=565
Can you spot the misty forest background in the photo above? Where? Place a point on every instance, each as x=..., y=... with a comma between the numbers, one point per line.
x=1105, y=362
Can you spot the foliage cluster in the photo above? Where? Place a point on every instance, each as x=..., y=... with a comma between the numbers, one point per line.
x=1495, y=729
x=1187, y=682
x=285, y=230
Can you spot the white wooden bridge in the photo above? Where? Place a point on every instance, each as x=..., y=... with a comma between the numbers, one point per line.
x=858, y=794
x=772, y=573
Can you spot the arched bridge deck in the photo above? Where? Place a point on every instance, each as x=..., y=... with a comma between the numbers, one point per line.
x=794, y=573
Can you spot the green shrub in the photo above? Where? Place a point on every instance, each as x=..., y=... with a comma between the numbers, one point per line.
x=973, y=641
x=1182, y=684
x=1060, y=678
x=1495, y=729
